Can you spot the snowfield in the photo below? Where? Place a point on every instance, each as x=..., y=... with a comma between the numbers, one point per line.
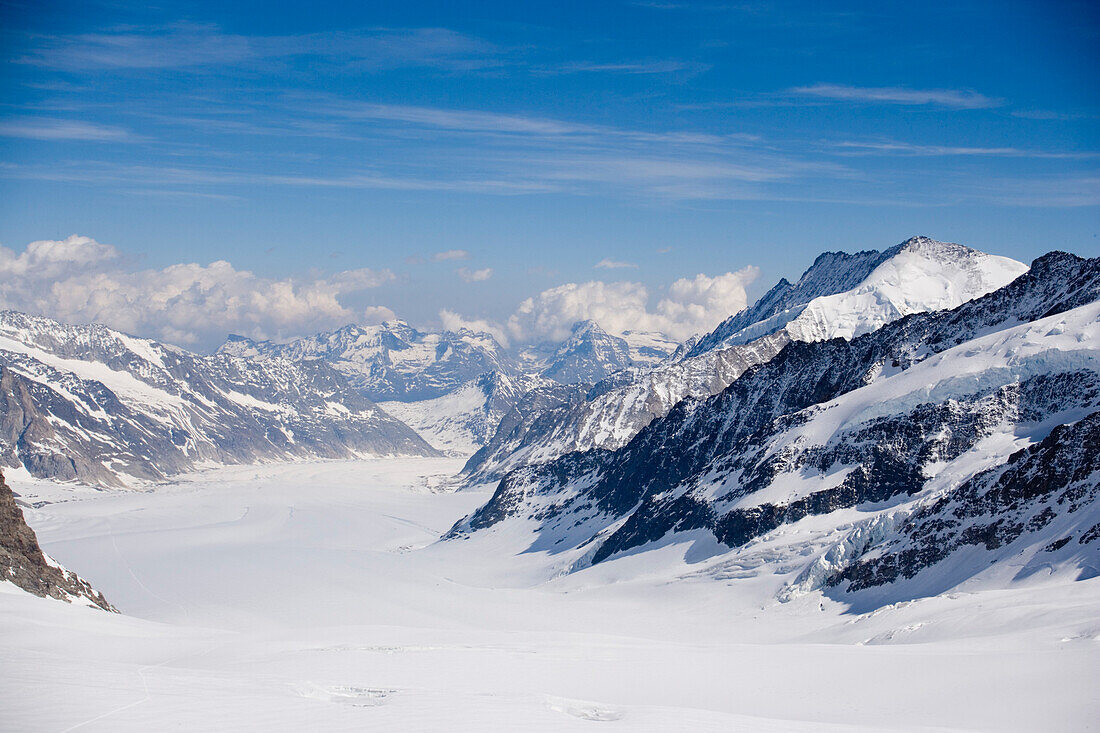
x=315, y=596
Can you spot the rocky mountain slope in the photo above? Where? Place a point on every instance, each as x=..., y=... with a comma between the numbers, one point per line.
x=839, y=295
x=904, y=433
x=23, y=563
x=588, y=355
x=95, y=405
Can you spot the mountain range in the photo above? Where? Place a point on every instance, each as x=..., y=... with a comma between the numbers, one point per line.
x=840, y=295
x=889, y=426
x=961, y=433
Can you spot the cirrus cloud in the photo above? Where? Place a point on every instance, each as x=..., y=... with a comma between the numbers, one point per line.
x=450, y=254
x=956, y=98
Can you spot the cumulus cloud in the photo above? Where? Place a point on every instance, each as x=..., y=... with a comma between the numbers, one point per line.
x=474, y=276
x=451, y=254
x=81, y=280
x=454, y=322
x=609, y=264
x=687, y=306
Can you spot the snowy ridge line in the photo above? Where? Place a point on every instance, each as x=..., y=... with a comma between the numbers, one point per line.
x=840, y=295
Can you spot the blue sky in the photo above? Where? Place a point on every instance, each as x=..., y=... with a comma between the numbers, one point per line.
x=301, y=142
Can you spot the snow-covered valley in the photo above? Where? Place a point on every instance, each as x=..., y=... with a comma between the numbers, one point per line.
x=315, y=596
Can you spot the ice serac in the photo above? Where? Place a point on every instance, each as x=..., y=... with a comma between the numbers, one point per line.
x=98, y=406
x=840, y=295
x=872, y=430
x=392, y=361
x=23, y=563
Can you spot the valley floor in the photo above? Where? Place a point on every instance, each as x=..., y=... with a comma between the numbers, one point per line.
x=314, y=596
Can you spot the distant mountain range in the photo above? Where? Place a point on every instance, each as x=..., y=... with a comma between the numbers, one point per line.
x=98, y=406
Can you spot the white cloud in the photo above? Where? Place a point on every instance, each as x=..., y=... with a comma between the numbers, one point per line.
x=80, y=280
x=688, y=306
x=375, y=314
x=474, y=276
x=453, y=322
x=609, y=264
x=451, y=254
x=957, y=98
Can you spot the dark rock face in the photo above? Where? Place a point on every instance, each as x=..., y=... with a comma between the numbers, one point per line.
x=1053, y=479
x=692, y=468
x=23, y=563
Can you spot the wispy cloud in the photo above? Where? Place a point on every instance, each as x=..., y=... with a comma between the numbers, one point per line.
x=902, y=148
x=665, y=66
x=189, y=45
x=452, y=119
x=609, y=264
x=954, y=98
x=1062, y=192
x=474, y=276
x=1047, y=114
x=451, y=254
x=38, y=128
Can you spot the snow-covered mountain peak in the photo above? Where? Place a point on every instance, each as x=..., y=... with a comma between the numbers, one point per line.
x=846, y=295
x=920, y=275
x=588, y=355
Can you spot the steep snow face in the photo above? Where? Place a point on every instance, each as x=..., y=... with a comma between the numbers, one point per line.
x=88, y=403
x=923, y=275
x=392, y=361
x=831, y=272
x=648, y=348
x=461, y=422
x=860, y=431
x=850, y=295
x=840, y=295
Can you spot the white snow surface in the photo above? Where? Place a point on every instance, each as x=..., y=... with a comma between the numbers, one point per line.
x=314, y=596
x=925, y=275
x=449, y=423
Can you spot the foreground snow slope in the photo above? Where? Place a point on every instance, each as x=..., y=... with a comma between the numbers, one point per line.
x=313, y=596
